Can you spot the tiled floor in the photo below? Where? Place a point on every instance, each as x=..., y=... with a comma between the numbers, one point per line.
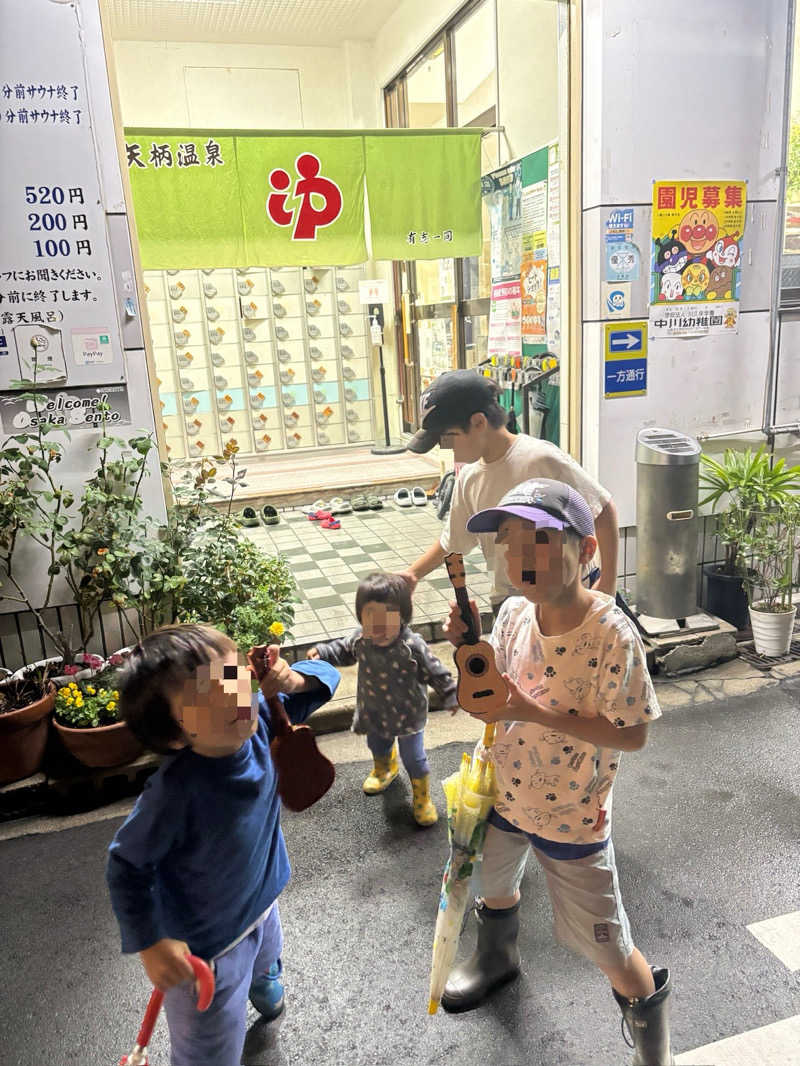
x=328, y=565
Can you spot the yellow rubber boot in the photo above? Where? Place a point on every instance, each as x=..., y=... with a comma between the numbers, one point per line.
x=424, y=811
x=384, y=771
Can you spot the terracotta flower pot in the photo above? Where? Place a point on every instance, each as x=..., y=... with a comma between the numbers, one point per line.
x=23, y=736
x=105, y=745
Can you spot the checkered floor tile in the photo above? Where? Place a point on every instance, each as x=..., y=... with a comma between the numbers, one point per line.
x=328, y=564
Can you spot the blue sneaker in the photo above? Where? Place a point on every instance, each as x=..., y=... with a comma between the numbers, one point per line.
x=266, y=992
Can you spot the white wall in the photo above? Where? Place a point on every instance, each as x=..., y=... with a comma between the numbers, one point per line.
x=153, y=85
x=653, y=111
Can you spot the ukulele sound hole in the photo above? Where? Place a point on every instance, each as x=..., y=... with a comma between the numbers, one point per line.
x=476, y=665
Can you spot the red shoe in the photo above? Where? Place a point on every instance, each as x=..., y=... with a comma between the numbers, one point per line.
x=319, y=516
x=331, y=523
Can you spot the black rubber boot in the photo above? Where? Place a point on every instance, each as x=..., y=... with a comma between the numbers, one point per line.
x=495, y=961
x=648, y=1022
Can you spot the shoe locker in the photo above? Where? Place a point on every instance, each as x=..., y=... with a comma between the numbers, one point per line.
x=276, y=359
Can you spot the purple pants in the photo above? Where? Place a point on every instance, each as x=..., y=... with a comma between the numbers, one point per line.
x=216, y=1036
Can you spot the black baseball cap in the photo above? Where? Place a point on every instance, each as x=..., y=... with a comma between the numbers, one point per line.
x=449, y=401
x=550, y=504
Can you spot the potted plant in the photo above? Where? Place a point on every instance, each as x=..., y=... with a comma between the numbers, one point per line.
x=749, y=484
x=87, y=722
x=25, y=706
x=773, y=550
x=83, y=542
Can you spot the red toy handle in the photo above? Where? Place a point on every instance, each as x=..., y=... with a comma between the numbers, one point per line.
x=205, y=993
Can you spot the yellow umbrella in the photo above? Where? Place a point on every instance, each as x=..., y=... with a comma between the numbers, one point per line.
x=470, y=794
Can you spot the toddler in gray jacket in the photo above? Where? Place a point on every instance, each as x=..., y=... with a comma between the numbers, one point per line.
x=395, y=667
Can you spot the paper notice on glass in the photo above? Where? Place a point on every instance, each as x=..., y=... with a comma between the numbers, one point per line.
x=534, y=217
x=504, y=319
x=554, y=212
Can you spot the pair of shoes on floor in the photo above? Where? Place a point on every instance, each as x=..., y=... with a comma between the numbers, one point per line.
x=367, y=502
x=266, y=993
x=414, y=497
x=266, y=516
x=337, y=506
x=326, y=519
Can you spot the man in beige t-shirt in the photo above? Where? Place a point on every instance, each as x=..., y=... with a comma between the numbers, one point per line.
x=460, y=411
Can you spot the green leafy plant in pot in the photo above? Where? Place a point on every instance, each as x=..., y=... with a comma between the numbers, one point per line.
x=772, y=548
x=747, y=484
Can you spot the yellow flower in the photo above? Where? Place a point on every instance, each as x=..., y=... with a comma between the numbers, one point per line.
x=90, y=690
x=110, y=705
x=277, y=629
x=115, y=694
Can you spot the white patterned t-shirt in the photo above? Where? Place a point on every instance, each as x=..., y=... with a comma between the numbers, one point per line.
x=549, y=782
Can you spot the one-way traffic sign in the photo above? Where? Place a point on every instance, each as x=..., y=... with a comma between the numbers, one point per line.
x=627, y=340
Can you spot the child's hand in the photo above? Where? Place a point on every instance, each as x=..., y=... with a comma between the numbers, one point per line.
x=274, y=673
x=312, y=653
x=454, y=628
x=166, y=963
x=519, y=707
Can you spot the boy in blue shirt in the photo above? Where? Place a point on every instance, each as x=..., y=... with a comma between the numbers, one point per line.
x=199, y=863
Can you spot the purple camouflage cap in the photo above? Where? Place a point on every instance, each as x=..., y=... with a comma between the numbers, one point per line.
x=550, y=504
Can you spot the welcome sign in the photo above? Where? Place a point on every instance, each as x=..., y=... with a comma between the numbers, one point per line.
x=206, y=198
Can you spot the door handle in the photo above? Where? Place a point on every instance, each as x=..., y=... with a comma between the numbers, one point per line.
x=680, y=516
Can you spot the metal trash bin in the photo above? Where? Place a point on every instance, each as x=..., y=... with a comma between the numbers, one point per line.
x=667, y=477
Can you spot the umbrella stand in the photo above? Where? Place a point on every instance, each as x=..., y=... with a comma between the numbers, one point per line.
x=470, y=796
x=205, y=981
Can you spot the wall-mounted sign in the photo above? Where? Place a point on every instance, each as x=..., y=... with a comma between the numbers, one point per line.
x=695, y=267
x=374, y=291
x=625, y=359
x=75, y=408
x=55, y=272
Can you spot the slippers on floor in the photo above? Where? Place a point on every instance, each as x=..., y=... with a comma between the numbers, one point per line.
x=418, y=497
x=319, y=516
x=248, y=517
x=375, y=503
x=331, y=523
x=360, y=502
x=268, y=515
x=403, y=498
x=338, y=505
x=312, y=508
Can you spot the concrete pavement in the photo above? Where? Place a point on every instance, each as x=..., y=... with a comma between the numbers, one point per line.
x=706, y=833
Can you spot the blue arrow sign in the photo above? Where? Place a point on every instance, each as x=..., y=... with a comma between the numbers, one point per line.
x=625, y=340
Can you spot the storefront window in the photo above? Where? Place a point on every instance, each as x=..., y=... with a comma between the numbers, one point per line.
x=790, y=262
x=426, y=90
x=452, y=83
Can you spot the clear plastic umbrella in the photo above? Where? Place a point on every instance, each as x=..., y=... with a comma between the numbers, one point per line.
x=470, y=795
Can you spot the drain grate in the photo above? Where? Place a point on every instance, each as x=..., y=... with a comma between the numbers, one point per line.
x=748, y=652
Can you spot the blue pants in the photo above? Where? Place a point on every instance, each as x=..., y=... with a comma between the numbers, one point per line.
x=217, y=1035
x=412, y=751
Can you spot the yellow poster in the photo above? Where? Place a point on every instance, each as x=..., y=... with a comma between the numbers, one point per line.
x=695, y=267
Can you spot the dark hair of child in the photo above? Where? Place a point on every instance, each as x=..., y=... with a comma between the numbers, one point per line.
x=157, y=667
x=391, y=589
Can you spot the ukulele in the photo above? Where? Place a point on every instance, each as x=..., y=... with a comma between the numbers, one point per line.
x=480, y=685
x=304, y=773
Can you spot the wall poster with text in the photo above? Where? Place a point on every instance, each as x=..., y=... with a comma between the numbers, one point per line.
x=695, y=268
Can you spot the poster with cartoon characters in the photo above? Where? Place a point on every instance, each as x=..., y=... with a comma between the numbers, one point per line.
x=695, y=270
x=534, y=296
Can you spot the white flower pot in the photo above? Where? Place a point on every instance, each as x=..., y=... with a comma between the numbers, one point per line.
x=772, y=633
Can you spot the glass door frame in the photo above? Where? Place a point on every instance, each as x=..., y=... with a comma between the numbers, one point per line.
x=408, y=311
